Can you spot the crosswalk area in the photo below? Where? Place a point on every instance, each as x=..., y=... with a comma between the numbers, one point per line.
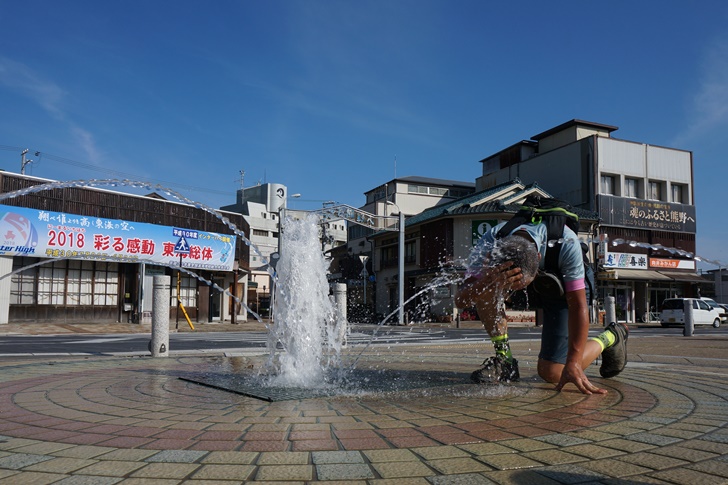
x=382, y=337
x=123, y=344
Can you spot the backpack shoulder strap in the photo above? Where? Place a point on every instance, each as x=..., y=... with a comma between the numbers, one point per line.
x=520, y=217
x=523, y=216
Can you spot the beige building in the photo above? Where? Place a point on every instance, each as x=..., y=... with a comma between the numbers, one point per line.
x=643, y=194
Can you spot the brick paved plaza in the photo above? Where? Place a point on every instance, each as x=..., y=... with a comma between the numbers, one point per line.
x=108, y=420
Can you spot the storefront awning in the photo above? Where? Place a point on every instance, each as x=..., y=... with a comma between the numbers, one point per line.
x=640, y=274
x=688, y=277
x=649, y=275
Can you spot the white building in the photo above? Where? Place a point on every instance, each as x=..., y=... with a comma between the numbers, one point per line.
x=412, y=195
x=262, y=207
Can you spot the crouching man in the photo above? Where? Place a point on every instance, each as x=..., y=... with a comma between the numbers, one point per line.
x=500, y=266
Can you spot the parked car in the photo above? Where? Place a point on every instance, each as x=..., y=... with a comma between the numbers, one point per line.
x=673, y=312
x=721, y=308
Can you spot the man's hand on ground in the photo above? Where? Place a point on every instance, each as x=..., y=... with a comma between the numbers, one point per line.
x=573, y=373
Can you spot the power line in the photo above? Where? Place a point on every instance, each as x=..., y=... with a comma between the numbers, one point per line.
x=116, y=173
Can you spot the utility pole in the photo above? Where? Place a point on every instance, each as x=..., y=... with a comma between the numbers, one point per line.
x=23, y=161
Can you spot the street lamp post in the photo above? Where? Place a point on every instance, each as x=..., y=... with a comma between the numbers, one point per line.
x=400, y=278
x=275, y=256
x=401, y=268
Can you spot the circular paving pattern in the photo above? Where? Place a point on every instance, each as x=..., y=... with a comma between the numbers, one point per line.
x=141, y=404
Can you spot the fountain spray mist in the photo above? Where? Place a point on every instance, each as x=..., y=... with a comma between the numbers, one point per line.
x=305, y=320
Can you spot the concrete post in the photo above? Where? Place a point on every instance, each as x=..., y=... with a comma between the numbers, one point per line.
x=159, y=346
x=340, y=298
x=6, y=267
x=689, y=318
x=610, y=310
x=339, y=290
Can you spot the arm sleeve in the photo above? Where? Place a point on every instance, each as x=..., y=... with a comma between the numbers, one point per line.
x=571, y=262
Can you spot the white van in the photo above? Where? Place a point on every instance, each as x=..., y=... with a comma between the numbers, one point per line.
x=714, y=304
x=673, y=312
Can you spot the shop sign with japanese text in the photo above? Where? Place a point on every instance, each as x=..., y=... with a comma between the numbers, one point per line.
x=45, y=234
x=625, y=260
x=672, y=263
x=646, y=214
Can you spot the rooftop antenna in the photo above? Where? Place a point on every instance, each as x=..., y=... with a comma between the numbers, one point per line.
x=395, y=166
x=242, y=179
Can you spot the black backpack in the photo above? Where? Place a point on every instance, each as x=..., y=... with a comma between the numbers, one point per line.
x=555, y=214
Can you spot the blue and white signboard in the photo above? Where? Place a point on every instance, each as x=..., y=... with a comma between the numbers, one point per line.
x=44, y=234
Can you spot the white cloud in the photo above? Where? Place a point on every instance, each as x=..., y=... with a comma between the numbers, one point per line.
x=22, y=79
x=87, y=144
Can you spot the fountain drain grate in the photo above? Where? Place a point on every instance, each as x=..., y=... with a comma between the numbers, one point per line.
x=355, y=382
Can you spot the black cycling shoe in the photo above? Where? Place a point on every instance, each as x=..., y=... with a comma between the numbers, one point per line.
x=614, y=358
x=496, y=369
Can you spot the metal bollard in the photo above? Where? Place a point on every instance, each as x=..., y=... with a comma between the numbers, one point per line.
x=159, y=345
x=688, y=318
x=610, y=310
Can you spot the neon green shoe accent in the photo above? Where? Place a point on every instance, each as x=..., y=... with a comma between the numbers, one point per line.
x=502, y=347
x=608, y=338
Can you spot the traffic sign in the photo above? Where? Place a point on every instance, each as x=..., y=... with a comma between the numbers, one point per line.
x=182, y=247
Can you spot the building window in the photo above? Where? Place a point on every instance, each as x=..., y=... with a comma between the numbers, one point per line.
x=607, y=185
x=459, y=192
x=52, y=283
x=187, y=292
x=258, y=232
x=376, y=195
x=80, y=277
x=418, y=189
x=22, y=285
x=630, y=187
x=106, y=283
x=410, y=252
x=389, y=256
x=677, y=193
x=654, y=191
x=65, y=283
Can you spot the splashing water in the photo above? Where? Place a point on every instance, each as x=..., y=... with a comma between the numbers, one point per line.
x=305, y=320
x=307, y=324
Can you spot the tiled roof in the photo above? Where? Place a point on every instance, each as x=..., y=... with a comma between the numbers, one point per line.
x=470, y=204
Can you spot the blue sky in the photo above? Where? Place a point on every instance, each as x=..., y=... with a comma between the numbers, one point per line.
x=324, y=96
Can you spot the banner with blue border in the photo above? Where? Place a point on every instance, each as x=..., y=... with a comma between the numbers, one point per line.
x=45, y=234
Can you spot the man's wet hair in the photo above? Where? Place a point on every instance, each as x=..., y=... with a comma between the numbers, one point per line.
x=518, y=249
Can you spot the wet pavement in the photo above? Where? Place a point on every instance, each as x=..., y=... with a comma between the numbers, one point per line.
x=133, y=420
